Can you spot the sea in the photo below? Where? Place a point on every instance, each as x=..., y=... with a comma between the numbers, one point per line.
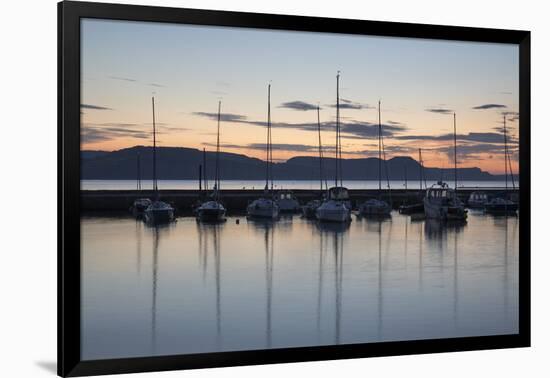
x=278, y=184
x=189, y=287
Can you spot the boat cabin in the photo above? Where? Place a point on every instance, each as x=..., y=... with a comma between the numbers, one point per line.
x=440, y=192
x=338, y=193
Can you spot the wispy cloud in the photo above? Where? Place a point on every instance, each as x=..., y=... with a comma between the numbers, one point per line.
x=489, y=106
x=353, y=105
x=440, y=110
x=92, y=134
x=122, y=78
x=470, y=137
x=156, y=85
x=94, y=107
x=224, y=117
x=298, y=105
x=350, y=129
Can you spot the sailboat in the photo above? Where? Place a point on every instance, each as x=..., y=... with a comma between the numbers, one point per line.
x=376, y=206
x=140, y=204
x=158, y=211
x=310, y=209
x=212, y=210
x=336, y=207
x=503, y=205
x=266, y=206
x=441, y=202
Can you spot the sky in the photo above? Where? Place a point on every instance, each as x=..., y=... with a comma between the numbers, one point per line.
x=420, y=83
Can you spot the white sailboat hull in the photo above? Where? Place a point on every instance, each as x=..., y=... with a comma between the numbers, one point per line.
x=263, y=208
x=333, y=211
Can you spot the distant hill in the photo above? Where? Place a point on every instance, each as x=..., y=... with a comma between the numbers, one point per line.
x=183, y=163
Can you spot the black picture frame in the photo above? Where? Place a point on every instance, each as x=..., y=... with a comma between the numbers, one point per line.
x=69, y=15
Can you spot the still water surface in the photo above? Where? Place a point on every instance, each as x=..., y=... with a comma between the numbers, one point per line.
x=191, y=288
x=278, y=184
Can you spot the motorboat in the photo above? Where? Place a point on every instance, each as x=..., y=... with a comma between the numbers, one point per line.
x=442, y=203
x=478, y=200
x=287, y=202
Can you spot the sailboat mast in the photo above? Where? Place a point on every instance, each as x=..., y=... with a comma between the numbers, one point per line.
x=505, y=152
x=420, y=166
x=379, y=151
x=337, y=126
x=138, y=172
x=509, y=159
x=218, y=150
x=204, y=168
x=454, y=124
x=270, y=140
x=155, y=187
x=267, y=137
x=320, y=149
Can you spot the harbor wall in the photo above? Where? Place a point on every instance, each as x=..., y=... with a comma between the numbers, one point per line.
x=236, y=200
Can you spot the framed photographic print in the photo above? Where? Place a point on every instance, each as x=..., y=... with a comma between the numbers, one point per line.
x=239, y=188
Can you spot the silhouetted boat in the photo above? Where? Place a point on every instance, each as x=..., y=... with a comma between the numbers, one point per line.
x=140, y=204
x=336, y=207
x=442, y=203
x=376, y=206
x=266, y=206
x=501, y=206
x=287, y=202
x=478, y=200
x=158, y=211
x=213, y=210
x=310, y=208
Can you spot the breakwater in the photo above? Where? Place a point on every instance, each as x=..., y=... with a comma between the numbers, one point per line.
x=236, y=200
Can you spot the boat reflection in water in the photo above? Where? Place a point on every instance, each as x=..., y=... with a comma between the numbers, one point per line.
x=194, y=287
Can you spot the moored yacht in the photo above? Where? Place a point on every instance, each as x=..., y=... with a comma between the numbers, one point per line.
x=140, y=204
x=213, y=210
x=477, y=200
x=502, y=205
x=158, y=211
x=442, y=203
x=336, y=207
x=378, y=207
x=287, y=201
x=266, y=206
x=309, y=210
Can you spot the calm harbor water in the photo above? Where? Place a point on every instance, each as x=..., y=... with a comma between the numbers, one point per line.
x=190, y=287
x=279, y=184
